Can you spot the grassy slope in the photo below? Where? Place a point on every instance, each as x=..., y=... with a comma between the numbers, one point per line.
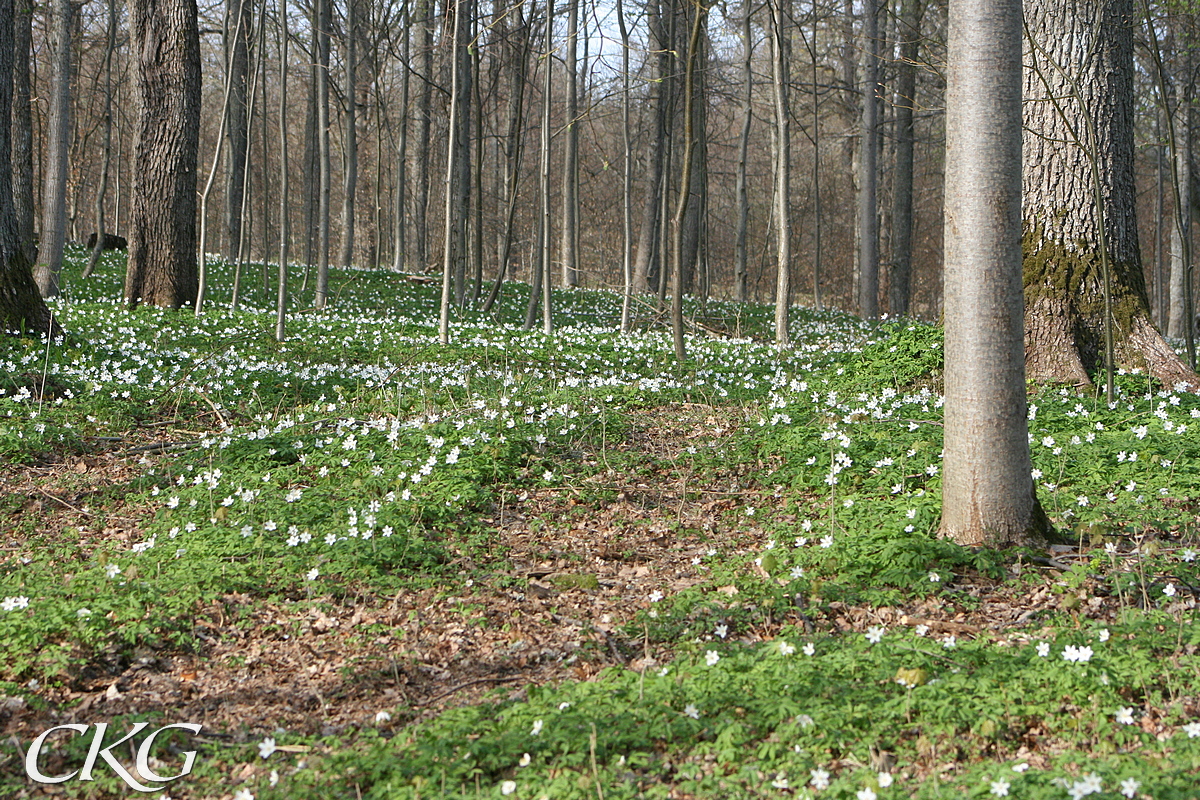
x=359, y=460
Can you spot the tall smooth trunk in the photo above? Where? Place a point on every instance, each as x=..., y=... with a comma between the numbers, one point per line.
x=986, y=488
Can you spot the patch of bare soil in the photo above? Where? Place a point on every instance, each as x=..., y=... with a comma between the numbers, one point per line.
x=572, y=567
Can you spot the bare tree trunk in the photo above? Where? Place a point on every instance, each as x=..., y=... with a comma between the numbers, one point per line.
x=238, y=22
x=350, y=185
x=900, y=279
x=627, y=177
x=514, y=142
x=22, y=309
x=399, y=226
x=818, y=208
x=986, y=491
x=544, y=171
x=462, y=180
x=477, y=180
x=1181, y=250
x=570, y=182
x=693, y=223
x=425, y=105
x=54, y=194
x=281, y=291
x=743, y=200
x=311, y=171
x=323, y=21
x=22, y=129
x=1159, y=306
x=700, y=14
x=452, y=154
x=110, y=48
x=783, y=171
x=162, y=243
x=1085, y=45
x=868, y=181
x=647, y=248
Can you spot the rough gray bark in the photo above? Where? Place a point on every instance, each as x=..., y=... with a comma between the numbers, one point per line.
x=350, y=184
x=986, y=487
x=783, y=171
x=237, y=59
x=868, y=180
x=1084, y=45
x=22, y=127
x=162, y=242
x=22, y=309
x=58, y=140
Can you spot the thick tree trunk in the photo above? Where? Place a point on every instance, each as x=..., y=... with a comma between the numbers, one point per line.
x=1084, y=46
x=22, y=309
x=162, y=242
x=22, y=128
x=237, y=55
x=986, y=489
x=58, y=124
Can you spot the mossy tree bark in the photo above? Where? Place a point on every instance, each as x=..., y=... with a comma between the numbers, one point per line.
x=21, y=307
x=1083, y=49
x=162, y=246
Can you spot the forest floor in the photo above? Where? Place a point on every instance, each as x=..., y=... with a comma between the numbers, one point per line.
x=565, y=567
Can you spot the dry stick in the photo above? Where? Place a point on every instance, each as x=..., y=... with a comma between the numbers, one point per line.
x=464, y=685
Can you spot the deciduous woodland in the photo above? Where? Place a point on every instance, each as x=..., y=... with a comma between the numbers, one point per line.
x=846, y=98
x=413, y=399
